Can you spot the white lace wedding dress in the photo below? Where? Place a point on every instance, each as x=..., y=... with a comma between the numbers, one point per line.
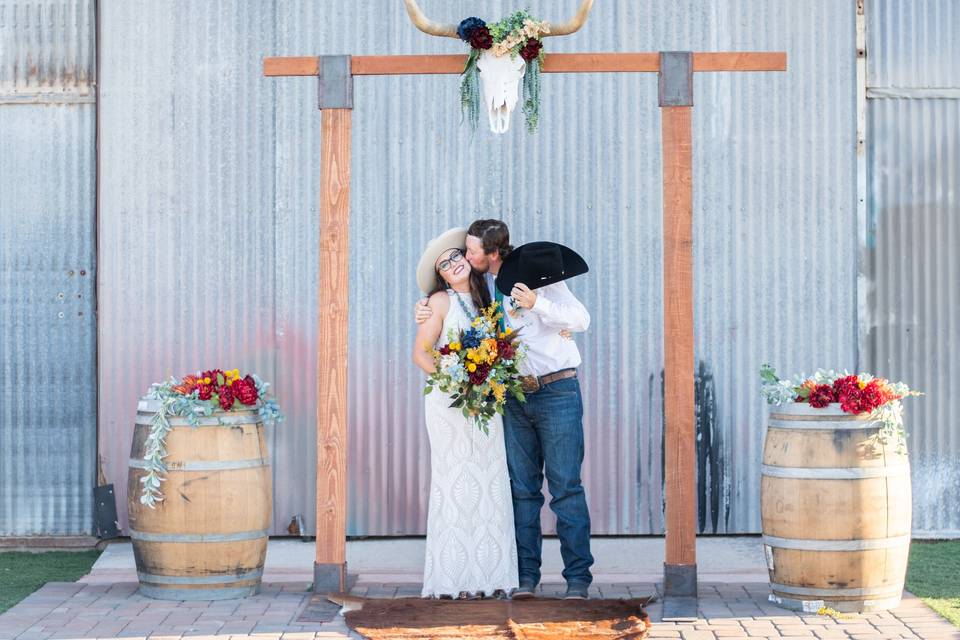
x=471, y=544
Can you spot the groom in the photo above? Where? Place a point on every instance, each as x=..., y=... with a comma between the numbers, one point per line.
x=545, y=433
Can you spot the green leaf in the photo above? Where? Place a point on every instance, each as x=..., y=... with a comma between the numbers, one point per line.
x=427, y=390
x=220, y=380
x=471, y=60
x=767, y=374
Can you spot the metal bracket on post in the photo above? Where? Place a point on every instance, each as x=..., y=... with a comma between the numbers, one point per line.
x=335, y=83
x=679, y=592
x=676, y=79
x=332, y=578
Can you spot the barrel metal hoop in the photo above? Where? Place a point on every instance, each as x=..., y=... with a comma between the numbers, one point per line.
x=221, y=579
x=207, y=465
x=842, y=606
x=834, y=473
x=145, y=536
x=827, y=592
x=836, y=545
x=219, y=421
x=822, y=425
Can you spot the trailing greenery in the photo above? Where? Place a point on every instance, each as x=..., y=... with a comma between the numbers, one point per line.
x=531, y=94
x=470, y=91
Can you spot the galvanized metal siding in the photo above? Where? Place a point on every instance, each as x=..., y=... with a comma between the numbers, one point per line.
x=48, y=417
x=188, y=236
x=206, y=164
x=912, y=235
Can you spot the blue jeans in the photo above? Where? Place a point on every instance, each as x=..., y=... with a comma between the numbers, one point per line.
x=546, y=434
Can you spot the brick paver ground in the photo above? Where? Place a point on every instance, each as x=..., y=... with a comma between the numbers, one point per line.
x=67, y=610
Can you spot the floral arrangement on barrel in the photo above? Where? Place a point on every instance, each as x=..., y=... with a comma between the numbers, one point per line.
x=478, y=367
x=517, y=35
x=877, y=398
x=199, y=396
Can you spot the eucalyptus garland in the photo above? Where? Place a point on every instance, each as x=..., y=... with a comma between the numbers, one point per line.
x=519, y=34
x=193, y=398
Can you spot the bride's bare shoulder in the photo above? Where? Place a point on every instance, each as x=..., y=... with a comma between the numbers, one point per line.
x=440, y=301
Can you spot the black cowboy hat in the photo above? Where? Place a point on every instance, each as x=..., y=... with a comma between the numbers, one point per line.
x=537, y=264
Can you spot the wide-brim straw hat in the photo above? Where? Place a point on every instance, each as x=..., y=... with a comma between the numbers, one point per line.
x=426, y=268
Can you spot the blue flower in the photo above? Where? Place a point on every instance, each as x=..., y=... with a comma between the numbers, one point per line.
x=472, y=338
x=465, y=30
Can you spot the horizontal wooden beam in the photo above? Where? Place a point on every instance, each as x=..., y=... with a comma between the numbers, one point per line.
x=291, y=66
x=737, y=61
x=554, y=63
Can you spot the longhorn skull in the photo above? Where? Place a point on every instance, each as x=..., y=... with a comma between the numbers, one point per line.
x=500, y=76
x=500, y=86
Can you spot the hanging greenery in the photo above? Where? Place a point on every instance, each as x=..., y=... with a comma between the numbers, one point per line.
x=470, y=91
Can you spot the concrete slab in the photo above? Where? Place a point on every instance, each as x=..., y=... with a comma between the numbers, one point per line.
x=617, y=560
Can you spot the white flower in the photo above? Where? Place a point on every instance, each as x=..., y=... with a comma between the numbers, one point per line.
x=449, y=360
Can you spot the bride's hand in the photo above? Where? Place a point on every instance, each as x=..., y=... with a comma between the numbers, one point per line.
x=422, y=312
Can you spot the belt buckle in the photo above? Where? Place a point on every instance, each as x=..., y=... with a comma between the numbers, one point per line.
x=529, y=384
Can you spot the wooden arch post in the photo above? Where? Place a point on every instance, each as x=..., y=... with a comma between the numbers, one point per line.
x=675, y=69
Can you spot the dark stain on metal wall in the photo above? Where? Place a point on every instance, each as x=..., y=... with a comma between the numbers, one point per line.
x=713, y=504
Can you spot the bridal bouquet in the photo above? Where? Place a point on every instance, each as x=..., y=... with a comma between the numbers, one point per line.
x=478, y=367
x=862, y=393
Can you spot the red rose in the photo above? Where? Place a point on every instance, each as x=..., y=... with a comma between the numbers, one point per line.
x=505, y=349
x=245, y=391
x=205, y=391
x=871, y=396
x=821, y=396
x=531, y=50
x=226, y=398
x=850, y=402
x=480, y=38
x=844, y=386
x=445, y=350
x=479, y=376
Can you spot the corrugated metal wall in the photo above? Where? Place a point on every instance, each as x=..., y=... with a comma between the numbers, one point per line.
x=48, y=418
x=913, y=90
x=209, y=228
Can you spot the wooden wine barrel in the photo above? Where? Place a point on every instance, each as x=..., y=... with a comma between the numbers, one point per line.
x=835, y=509
x=208, y=539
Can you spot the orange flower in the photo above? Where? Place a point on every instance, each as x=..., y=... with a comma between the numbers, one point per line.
x=187, y=385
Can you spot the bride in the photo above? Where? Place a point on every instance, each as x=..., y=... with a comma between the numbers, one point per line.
x=471, y=544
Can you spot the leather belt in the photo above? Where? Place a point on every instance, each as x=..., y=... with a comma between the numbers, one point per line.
x=532, y=384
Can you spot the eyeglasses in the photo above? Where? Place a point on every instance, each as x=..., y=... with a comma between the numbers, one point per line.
x=445, y=265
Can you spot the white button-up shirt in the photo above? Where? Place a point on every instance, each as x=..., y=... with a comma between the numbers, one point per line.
x=556, y=310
